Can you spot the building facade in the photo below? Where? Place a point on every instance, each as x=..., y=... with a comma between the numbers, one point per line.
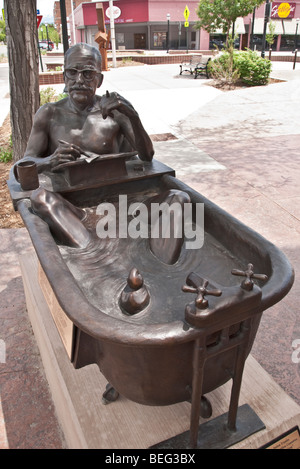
x=142, y=24
x=57, y=14
x=170, y=24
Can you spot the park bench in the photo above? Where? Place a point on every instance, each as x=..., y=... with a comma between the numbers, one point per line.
x=202, y=67
x=196, y=66
x=189, y=66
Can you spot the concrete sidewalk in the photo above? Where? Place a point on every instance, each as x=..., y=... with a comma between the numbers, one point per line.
x=241, y=150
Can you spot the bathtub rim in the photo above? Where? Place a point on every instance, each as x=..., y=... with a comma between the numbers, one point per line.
x=101, y=326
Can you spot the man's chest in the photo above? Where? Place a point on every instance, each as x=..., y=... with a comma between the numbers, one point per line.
x=91, y=133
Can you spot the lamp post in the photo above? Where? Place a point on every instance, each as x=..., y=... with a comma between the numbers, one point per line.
x=168, y=33
x=296, y=50
x=64, y=25
x=73, y=23
x=252, y=31
x=267, y=16
x=112, y=32
x=46, y=24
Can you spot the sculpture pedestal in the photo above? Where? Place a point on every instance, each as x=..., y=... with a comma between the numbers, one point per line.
x=88, y=424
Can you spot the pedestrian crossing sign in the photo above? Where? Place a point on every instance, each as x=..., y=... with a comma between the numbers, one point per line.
x=186, y=13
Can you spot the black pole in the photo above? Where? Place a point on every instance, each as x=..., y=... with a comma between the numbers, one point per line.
x=295, y=40
x=252, y=31
x=267, y=14
x=40, y=56
x=64, y=25
x=168, y=34
x=295, y=59
x=48, y=48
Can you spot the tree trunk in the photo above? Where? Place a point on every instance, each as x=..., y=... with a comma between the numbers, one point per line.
x=22, y=47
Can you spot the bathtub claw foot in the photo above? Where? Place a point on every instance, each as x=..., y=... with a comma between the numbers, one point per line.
x=109, y=395
x=206, y=408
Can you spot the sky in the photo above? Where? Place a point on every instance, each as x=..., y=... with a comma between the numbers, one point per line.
x=45, y=7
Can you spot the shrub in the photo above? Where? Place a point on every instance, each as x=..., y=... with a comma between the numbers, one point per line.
x=6, y=153
x=247, y=66
x=48, y=95
x=224, y=69
x=253, y=69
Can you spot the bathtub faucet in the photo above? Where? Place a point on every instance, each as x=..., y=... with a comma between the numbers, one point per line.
x=201, y=302
x=247, y=283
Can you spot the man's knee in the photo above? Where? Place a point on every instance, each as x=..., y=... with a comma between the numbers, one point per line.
x=40, y=199
x=177, y=196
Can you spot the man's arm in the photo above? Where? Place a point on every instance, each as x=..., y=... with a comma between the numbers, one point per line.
x=38, y=143
x=132, y=130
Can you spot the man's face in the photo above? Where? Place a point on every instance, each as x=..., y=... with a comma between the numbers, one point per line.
x=82, y=77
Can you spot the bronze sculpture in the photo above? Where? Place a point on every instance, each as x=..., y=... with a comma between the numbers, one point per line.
x=83, y=120
x=138, y=326
x=83, y=125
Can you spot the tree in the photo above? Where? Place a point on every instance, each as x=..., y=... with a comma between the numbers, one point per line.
x=22, y=48
x=270, y=37
x=222, y=14
x=52, y=33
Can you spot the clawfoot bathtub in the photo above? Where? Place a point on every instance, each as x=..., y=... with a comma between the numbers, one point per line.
x=196, y=324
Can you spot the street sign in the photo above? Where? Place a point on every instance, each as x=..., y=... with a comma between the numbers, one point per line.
x=186, y=13
x=186, y=24
x=39, y=19
x=116, y=12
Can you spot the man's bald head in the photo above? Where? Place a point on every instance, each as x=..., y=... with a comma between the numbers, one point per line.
x=84, y=50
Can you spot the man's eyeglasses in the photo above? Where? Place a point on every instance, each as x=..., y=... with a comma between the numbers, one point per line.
x=87, y=73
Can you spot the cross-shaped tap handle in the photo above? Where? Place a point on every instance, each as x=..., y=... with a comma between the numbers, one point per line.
x=201, y=291
x=247, y=283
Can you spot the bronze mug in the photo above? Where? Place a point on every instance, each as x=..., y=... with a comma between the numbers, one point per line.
x=27, y=175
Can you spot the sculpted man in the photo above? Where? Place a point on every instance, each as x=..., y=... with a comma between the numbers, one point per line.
x=84, y=120
x=85, y=123
x=81, y=123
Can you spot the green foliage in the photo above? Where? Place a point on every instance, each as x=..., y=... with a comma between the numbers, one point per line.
x=221, y=14
x=253, y=69
x=126, y=60
x=270, y=36
x=61, y=96
x=52, y=33
x=55, y=37
x=247, y=66
x=224, y=68
x=6, y=152
x=2, y=31
x=49, y=95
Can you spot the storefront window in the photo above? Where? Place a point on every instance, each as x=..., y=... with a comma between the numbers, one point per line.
x=160, y=39
x=288, y=43
x=217, y=41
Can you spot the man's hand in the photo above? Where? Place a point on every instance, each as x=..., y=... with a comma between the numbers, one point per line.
x=112, y=101
x=64, y=153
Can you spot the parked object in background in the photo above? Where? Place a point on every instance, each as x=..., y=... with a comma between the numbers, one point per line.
x=47, y=45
